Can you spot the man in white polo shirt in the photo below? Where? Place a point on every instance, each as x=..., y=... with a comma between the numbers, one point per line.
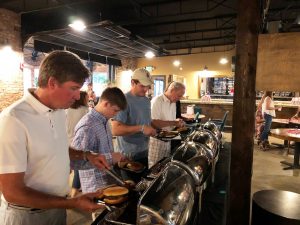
x=163, y=115
x=34, y=151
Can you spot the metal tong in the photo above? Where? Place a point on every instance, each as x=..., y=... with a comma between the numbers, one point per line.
x=109, y=208
x=115, y=176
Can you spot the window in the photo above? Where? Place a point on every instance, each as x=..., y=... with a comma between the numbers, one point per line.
x=159, y=85
x=100, y=81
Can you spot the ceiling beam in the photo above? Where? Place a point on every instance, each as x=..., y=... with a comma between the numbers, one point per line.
x=198, y=39
x=188, y=32
x=198, y=46
x=157, y=21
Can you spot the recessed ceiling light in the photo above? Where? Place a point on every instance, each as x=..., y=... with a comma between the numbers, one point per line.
x=149, y=55
x=78, y=25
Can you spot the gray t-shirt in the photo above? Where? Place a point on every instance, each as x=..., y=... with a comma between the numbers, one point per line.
x=138, y=112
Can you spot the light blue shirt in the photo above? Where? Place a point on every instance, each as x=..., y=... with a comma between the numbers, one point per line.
x=138, y=112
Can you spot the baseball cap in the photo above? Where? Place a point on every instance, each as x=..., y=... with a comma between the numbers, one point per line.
x=143, y=76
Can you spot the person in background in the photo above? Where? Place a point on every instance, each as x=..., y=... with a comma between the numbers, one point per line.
x=76, y=111
x=296, y=118
x=206, y=97
x=93, y=133
x=92, y=96
x=297, y=115
x=163, y=114
x=268, y=110
x=178, y=105
x=34, y=152
x=132, y=126
x=259, y=119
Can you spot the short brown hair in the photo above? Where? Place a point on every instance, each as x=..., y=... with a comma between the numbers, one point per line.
x=80, y=102
x=114, y=96
x=63, y=66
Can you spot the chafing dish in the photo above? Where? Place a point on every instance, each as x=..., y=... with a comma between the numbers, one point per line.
x=196, y=159
x=155, y=170
x=170, y=199
x=211, y=126
x=206, y=138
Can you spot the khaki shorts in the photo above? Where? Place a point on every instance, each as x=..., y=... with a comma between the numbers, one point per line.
x=11, y=214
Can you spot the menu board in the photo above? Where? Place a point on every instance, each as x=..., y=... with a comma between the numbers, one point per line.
x=223, y=85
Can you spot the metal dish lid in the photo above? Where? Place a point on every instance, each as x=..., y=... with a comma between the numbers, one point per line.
x=211, y=126
x=190, y=149
x=169, y=199
x=206, y=138
x=196, y=159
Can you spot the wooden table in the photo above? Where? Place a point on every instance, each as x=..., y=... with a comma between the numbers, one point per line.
x=281, y=121
x=285, y=122
x=289, y=134
x=192, y=116
x=275, y=207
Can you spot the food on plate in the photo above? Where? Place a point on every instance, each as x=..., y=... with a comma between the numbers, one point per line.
x=136, y=166
x=115, y=195
x=168, y=134
x=181, y=129
x=122, y=164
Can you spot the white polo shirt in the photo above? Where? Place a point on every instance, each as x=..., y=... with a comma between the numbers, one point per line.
x=163, y=109
x=34, y=141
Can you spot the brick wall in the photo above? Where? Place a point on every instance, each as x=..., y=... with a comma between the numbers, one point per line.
x=11, y=77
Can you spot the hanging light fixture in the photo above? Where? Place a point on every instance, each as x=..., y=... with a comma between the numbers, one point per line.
x=78, y=25
x=224, y=59
x=149, y=55
x=205, y=68
x=176, y=63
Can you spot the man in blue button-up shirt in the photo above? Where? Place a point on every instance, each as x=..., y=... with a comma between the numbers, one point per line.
x=92, y=133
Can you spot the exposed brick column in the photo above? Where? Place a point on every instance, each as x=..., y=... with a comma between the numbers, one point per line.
x=11, y=76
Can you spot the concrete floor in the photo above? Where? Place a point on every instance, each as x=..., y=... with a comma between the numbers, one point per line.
x=268, y=173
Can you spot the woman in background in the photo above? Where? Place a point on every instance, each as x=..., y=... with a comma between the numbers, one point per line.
x=76, y=111
x=268, y=111
x=259, y=119
x=296, y=117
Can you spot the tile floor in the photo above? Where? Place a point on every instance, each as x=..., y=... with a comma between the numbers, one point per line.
x=268, y=173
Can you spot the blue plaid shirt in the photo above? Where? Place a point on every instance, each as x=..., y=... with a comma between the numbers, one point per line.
x=92, y=133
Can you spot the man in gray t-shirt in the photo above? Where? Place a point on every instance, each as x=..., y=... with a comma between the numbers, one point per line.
x=133, y=125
